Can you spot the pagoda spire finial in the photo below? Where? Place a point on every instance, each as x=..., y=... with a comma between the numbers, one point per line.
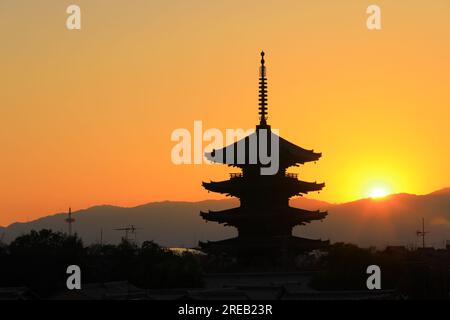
x=262, y=93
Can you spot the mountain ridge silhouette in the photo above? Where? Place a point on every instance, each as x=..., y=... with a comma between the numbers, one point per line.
x=392, y=220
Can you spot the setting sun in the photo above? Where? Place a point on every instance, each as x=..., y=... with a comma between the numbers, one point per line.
x=378, y=192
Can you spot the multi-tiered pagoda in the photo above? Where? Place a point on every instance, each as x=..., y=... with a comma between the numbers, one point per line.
x=264, y=218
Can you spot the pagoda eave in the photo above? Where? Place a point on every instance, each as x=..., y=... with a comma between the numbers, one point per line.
x=289, y=153
x=238, y=186
x=290, y=215
x=264, y=246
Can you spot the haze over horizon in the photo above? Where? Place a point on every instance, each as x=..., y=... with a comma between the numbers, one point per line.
x=86, y=116
x=311, y=203
x=393, y=220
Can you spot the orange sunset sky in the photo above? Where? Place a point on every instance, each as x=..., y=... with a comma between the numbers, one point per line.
x=86, y=116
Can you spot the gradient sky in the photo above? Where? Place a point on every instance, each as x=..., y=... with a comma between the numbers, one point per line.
x=86, y=116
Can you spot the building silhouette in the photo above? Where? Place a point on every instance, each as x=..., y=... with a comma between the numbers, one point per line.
x=264, y=219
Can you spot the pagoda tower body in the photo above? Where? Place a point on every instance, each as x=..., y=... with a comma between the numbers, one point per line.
x=264, y=219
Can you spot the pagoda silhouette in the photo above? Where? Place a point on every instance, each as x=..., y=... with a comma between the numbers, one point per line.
x=264, y=219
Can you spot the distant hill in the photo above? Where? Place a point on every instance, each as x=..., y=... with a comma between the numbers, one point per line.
x=366, y=222
x=442, y=191
x=169, y=223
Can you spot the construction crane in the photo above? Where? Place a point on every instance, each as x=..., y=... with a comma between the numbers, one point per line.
x=130, y=229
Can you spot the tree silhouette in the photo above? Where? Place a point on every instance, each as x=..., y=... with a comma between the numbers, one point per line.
x=39, y=261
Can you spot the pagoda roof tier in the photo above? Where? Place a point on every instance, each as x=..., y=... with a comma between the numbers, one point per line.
x=240, y=186
x=289, y=215
x=289, y=153
x=263, y=245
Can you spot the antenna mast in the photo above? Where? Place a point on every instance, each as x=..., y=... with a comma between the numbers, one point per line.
x=70, y=220
x=130, y=229
x=422, y=233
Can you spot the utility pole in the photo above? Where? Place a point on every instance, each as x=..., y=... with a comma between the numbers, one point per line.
x=422, y=233
x=70, y=220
